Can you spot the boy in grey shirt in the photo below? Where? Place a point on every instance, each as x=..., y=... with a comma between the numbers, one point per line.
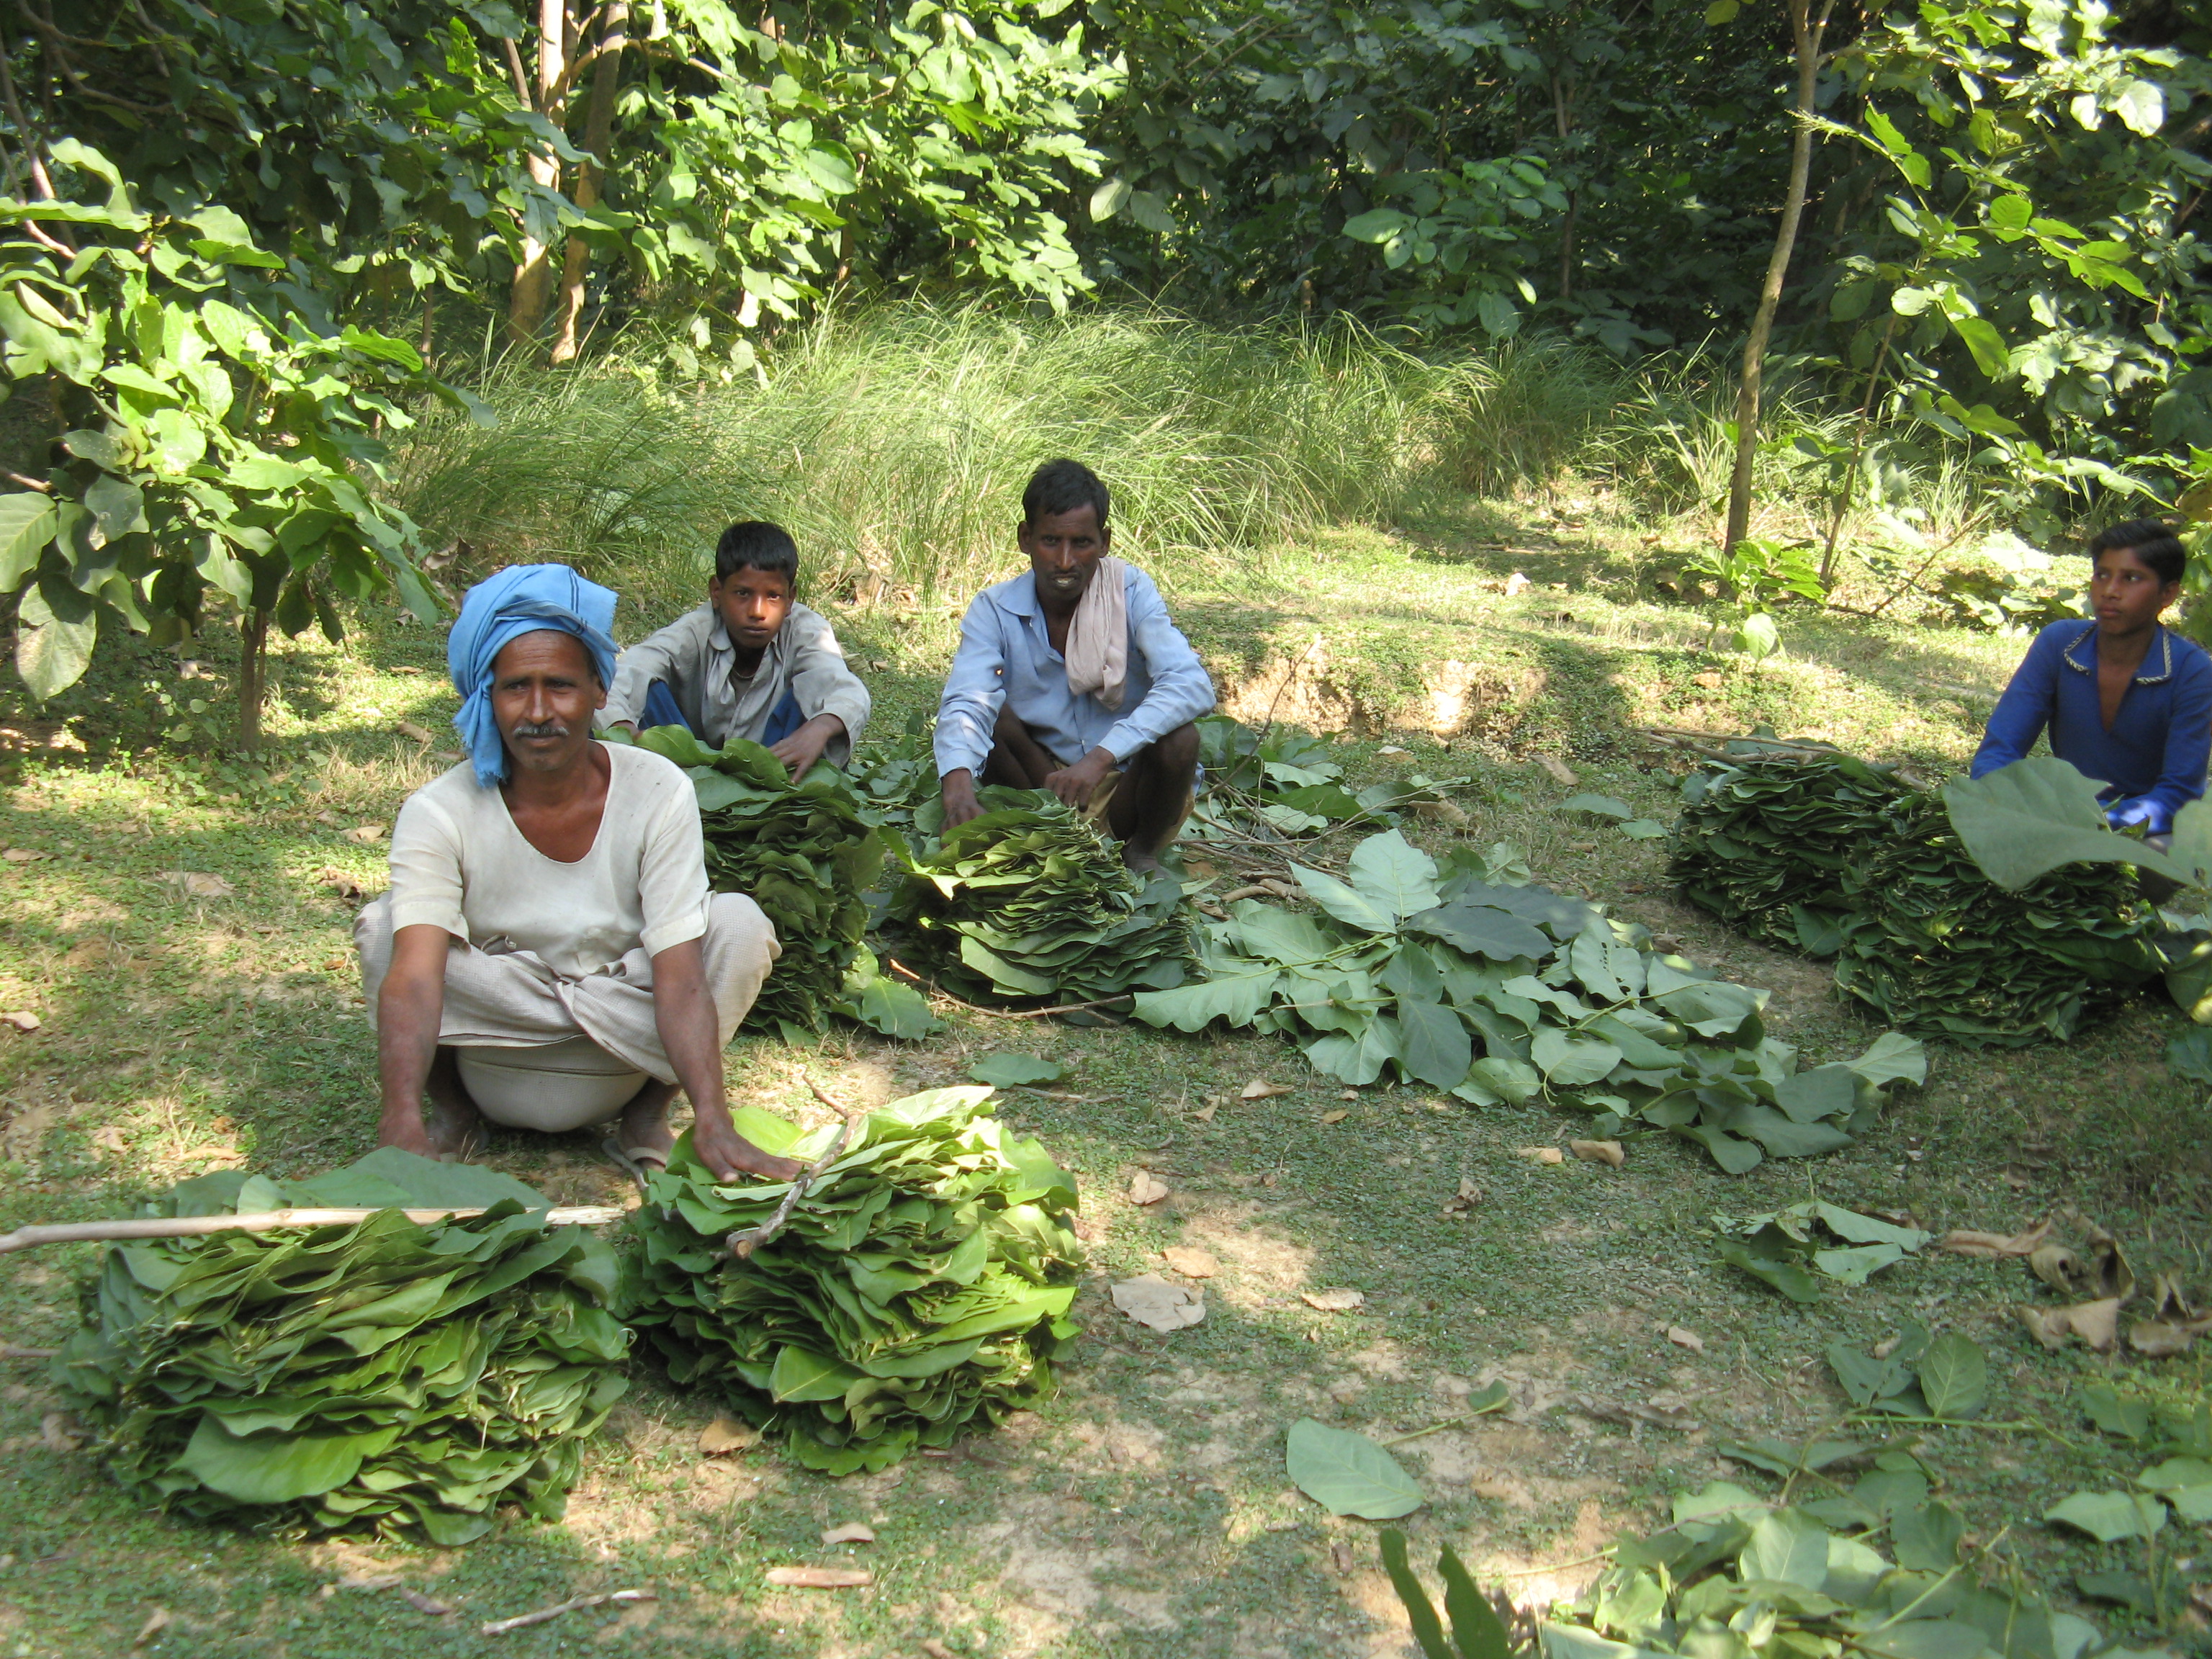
x=750, y=663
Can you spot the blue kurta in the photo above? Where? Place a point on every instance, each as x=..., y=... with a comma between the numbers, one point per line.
x=2155, y=755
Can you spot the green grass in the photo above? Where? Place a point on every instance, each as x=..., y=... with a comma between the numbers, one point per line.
x=1145, y=1509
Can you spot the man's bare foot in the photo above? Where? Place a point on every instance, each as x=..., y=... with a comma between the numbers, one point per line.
x=452, y=1127
x=1142, y=863
x=645, y=1128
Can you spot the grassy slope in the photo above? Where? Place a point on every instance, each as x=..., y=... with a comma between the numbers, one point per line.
x=1145, y=1510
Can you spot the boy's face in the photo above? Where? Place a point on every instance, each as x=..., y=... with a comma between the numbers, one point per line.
x=752, y=604
x=1064, y=550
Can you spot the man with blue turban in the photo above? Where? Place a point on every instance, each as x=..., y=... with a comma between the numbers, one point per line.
x=549, y=956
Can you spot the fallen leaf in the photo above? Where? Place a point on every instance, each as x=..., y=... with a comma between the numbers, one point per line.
x=2096, y=1323
x=408, y=729
x=109, y=1139
x=23, y=855
x=378, y=1581
x=1337, y=1117
x=1963, y=1241
x=851, y=1532
x=1154, y=1303
x=1340, y=1301
x=1190, y=1262
x=1205, y=1113
x=446, y=756
x=422, y=1603
x=55, y=1433
x=1684, y=1338
x=2049, y=1325
x=2159, y=1339
x=1559, y=768
x=365, y=833
x=1390, y=748
x=820, y=1577
x=1466, y=1197
x=193, y=884
x=21, y=1018
x=1260, y=1089
x=1349, y=1094
x=1340, y=1553
x=1599, y=1152
x=1146, y=1188
x=726, y=1434
x=2058, y=1267
x=1517, y=583
x=156, y=1622
x=1540, y=1154
x=327, y=816
x=339, y=882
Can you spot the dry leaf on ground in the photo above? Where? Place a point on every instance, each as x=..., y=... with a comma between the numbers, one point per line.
x=408, y=729
x=23, y=855
x=820, y=1577
x=1390, y=748
x=1190, y=1262
x=194, y=884
x=2175, y=1323
x=1260, y=1089
x=1518, y=583
x=110, y=1139
x=851, y=1532
x=1349, y=1094
x=1337, y=1117
x=1681, y=1337
x=1540, y=1154
x=2096, y=1323
x=1154, y=1303
x=1144, y=1188
x=1599, y=1152
x=156, y=1622
x=1558, y=768
x=58, y=1434
x=1205, y=1113
x=1340, y=1301
x=1465, y=1198
x=726, y=1434
x=422, y=1603
x=365, y=833
x=21, y=1018
x=1963, y=1241
x=345, y=886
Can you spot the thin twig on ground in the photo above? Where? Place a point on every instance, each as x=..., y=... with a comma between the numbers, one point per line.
x=575, y=1604
x=262, y=1221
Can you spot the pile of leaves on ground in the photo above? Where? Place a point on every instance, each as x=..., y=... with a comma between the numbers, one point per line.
x=1814, y=850
x=1939, y=949
x=896, y=780
x=1278, y=785
x=1876, y=1565
x=379, y=1376
x=1030, y=901
x=1454, y=976
x=1762, y=841
x=919, y=1288
x=807, y=855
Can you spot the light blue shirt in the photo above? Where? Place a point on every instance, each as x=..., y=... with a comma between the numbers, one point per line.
x=1006, y=656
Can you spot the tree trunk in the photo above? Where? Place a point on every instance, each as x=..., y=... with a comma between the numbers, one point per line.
x=534, y=277
x=1806, y=33
x=252, y=673
x=598, y=133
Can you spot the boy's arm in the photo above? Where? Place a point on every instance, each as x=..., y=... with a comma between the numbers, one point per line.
x=2025, y=707
x=827, y=687
x=675, y=654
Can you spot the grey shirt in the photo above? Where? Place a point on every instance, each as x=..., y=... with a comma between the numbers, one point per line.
x=694, y=656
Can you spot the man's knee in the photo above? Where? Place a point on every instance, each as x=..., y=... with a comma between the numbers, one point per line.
x=1175, y=752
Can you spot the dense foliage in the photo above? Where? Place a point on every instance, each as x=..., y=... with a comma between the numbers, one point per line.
x=919, y=1289
x=1409, y=964
x=381, y=1377
x=1030, y=901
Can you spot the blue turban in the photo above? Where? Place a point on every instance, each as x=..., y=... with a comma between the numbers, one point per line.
x=523, y=599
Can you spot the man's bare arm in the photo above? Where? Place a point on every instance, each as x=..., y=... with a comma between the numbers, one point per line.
x=958, y=791
x=684, y=1013
x=410, y=1006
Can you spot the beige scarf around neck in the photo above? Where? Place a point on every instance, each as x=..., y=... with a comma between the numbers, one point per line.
x=1098, y=638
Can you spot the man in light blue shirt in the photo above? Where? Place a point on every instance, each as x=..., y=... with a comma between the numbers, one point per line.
x=1062, y=677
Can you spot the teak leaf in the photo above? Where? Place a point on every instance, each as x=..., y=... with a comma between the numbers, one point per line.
x=1348, y=1474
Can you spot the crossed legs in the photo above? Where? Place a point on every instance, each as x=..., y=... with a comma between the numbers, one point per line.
x=1149, y=801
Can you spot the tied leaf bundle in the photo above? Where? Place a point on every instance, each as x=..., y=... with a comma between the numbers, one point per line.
x=919, y=1286
x=1940, y=949
x=382, y=1377
x=1762, y=843
x=806, y=853
x=1410, y=966
x=1030, y=901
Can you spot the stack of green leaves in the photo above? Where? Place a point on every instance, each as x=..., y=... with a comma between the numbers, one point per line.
x=1279, y=784
x=1454, y=977
x=1030, y=901
x=1811, y=1579
x=920, y=1287
x=896, y=781
x=807, y=855
x=1762, y=843
x=379, y=1376
x=1939, y=949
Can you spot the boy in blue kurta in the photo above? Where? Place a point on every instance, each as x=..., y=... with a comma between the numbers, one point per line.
x=2127, y=701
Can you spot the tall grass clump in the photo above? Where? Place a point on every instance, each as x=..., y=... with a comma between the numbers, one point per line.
x=894, y=442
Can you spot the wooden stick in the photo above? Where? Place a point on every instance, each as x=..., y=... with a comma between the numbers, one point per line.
x=262, y=1221
x=575, y=1604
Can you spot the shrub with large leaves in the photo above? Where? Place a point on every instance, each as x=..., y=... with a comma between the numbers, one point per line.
x=920, y=1287
x=1938, y=948
x=1451, y=976
x=1762, y=843
x=805, y=853
x=1030, y=901
x=379, y=1376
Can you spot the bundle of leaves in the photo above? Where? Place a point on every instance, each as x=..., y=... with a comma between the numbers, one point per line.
x=807, y=855
x=1454, y=977
x=1279, y=784
x=1030, y=901
x=1761, y=842
x=379, y=1376
x=919, y=1288
x=1813, y=1576
x=1939, y=949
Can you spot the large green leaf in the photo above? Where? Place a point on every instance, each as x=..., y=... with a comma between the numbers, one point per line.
x=26, y=525
x=1235, y=997
x=2028, y=818
x=2110, y=1516
x=1481, y=930
x=51, y=654
x=1396, y=877
x=1569, y=1061
x=1348, y=1474
x=275, y=1468
x=1345, y=903
x=1433, y=1044
x=1955, y=1376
